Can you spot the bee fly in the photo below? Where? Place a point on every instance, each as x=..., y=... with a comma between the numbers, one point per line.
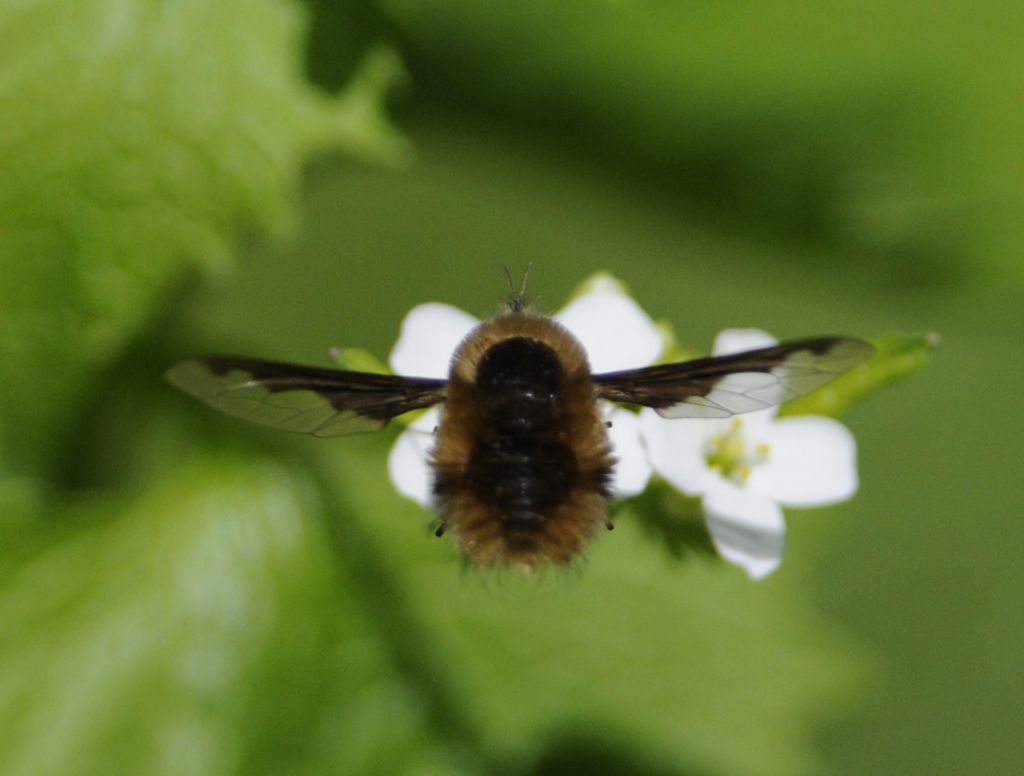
x=521, y=460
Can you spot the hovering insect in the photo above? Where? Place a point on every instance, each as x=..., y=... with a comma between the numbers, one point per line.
x=521, y=461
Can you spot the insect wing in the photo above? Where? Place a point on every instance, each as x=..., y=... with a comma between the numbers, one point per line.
x=720, y=386
x=308, y=400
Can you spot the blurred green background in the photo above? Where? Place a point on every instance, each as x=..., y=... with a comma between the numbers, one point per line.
x=180, y=593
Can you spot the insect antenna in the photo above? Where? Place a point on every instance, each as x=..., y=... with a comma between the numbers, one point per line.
x=516, y=298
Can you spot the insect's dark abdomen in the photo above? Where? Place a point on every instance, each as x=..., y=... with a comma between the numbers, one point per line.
x=521, y=462
x=524, y=476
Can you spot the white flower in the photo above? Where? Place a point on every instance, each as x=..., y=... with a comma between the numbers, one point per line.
x=745, y=467
x=614, y=330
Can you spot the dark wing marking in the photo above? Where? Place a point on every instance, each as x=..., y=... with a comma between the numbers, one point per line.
x=306, y=399
x=721, y=386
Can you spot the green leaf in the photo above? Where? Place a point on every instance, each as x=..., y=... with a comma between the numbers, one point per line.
x=138, y=138
x=136, y=637
x=897, y=356
x=198, y=629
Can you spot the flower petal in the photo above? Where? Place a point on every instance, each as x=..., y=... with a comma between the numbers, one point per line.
x=615, y=331
x=747, y=527
x=430, y=333
x=632, y=470
x=408, y=462
x=731, y=341
x=675, y=449
x=811, y=461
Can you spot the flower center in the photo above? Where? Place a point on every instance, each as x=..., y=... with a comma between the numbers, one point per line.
x=732, y=454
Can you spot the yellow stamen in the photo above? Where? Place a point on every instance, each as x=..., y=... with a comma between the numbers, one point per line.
x=732, y=456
